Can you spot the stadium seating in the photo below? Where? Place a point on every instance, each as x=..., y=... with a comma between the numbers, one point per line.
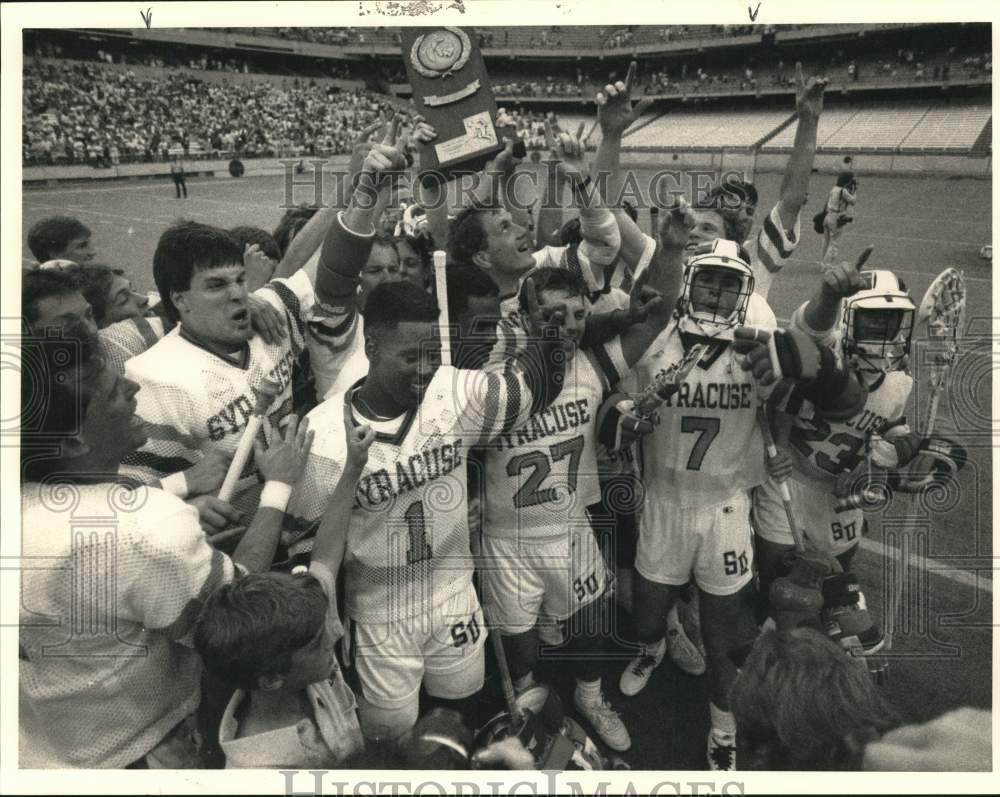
x=705, y=129
x=948, y=127
x=830, y=122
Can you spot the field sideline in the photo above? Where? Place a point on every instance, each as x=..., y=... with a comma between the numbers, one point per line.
x=943, y=653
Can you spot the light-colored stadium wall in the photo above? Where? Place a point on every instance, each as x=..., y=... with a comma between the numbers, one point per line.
x=217, y=168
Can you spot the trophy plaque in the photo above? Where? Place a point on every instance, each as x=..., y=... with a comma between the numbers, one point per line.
x=451, y=90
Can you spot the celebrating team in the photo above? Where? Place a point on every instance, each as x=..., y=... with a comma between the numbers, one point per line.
x=441, y=488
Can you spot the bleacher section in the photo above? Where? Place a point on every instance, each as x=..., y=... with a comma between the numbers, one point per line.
x=706, y=129
x=829, y=123
x=881, y=128
x=948, y=128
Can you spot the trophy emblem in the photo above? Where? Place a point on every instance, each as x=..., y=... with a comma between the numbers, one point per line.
x=441, y=52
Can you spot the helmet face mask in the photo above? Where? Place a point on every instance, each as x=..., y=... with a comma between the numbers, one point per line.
x=877, y=324
x=716, y=291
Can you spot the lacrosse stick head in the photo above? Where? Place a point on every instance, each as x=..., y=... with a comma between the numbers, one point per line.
x=943, y=310
x=877, y=325
x=667, y=382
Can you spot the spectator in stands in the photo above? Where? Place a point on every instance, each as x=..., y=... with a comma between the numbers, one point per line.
x=785, y=722
x=61, y=238
x=839, y=213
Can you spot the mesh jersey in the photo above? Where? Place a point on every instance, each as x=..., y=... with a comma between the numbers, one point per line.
x=340, y=360
x=118, y=581
x=124, y=340
x=542, y=475
x=408, y=544
x=822, y=449
x=707, y=445
x=193, y=400
x=771, y=249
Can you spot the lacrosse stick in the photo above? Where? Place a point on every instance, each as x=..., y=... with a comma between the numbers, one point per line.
x=441, y=285
x=943, y=310
x=265, y=397
x=654, y=220
x=667, y=382
x=786, y=496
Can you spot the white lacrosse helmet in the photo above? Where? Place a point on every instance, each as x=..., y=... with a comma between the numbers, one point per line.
x=726, y=256
x=413, y=223
x=876, y=324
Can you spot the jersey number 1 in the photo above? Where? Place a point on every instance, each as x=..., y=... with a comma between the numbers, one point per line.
x=416, y=529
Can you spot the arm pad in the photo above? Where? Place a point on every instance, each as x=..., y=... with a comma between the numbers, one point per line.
x=344, y=254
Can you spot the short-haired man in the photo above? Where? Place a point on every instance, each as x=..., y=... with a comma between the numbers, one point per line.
x=61, y=238
x=123, y=692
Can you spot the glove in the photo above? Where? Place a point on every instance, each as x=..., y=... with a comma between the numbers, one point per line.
x=777, y=354
x=938, y=461
x=617, y=425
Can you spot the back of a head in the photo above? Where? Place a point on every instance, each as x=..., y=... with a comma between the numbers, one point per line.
x=735, y=192
x=50, y=237
x=247, y=236
x=187, y=247
x=250, y=627
x=290, y=225
x=467, y=235
x=466, y=282
x=393, y=303
x=801, y=702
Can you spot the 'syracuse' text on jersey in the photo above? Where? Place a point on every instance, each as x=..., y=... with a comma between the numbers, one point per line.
x=541, y=476
x=707, y=445
x=408, y=543
x=194, y=400
x=822, y=449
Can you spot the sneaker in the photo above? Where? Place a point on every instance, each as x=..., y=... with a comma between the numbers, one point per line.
x=636, y=675
x=605, y=721
x=721, y=751
x=684, y=653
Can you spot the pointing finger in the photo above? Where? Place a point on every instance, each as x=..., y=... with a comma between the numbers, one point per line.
x=630, y=77
x=864, y=256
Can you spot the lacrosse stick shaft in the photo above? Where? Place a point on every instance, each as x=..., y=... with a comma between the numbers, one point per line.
x=510, y=698
x=268, y=390
x=654, y=220
x=441, y=285
x=786, y=495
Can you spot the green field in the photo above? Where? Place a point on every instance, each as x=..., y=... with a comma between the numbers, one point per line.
x=943, y=653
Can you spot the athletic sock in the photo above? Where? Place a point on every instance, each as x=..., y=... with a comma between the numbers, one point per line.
x=723, y=722
x=589, y=691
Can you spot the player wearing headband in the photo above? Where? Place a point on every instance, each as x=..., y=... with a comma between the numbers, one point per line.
x=866, y=317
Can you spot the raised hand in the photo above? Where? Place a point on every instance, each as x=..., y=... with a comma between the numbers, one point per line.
x=808, y=96
x=844, y=279
x=259, y=267
x=362, y=146
x=615, y=111
x=676, y=226
x=285, y=459
x=384, y=160
x=568, y=152
x=643, y=301
x=544, y=321
x=359, y=440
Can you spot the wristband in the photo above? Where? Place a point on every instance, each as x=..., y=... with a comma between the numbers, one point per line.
x=275, y=495
x=175, y=484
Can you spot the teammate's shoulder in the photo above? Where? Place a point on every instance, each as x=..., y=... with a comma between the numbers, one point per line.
x=897, y=383
x=759, y=312
x=151, y=363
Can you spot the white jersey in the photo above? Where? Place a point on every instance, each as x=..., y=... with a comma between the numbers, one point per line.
x=408, y=543
x=541, y=477
x=339, y=361
x=126, y=339
x=821, y=449
x=707, y=446
x=106, y=667
x=770, y=249
x=194, y=400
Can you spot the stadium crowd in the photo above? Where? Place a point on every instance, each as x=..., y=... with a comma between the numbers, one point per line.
x=315, y=500
x=88, y=113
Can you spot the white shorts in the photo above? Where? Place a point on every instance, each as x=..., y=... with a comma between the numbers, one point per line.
x=829, y=530
x=444, y=651
x=526, y=580
x=712, y=543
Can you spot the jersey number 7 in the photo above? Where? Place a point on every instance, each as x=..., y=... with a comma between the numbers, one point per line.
x=709, y=428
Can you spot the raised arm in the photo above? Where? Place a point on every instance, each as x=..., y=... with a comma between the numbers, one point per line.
x=820, y=313
x=331, y=537
x=795, y=183
x=311, y=236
